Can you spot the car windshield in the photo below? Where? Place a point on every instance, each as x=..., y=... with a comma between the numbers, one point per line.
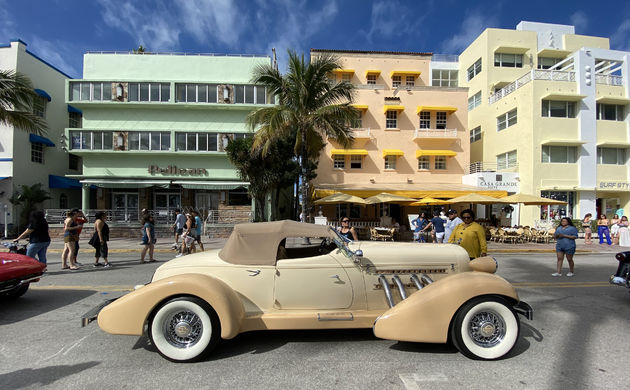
x=341, y=241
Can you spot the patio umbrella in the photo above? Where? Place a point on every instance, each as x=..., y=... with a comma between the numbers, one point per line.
x=340, y=197
x=530, y=200
x=476, y=199
x=428, y=201
x=385, y=197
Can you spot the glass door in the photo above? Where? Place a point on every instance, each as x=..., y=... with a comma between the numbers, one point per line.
x=165, y=205
x=125, y=206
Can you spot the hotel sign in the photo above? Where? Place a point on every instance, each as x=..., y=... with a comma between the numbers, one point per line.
x=503, y=181
x=173, y=170
x=614, y=185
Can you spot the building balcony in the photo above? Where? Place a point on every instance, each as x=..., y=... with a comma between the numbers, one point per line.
x=363, y=133
x=534, y=74
x=434, y=134
x=608, y=79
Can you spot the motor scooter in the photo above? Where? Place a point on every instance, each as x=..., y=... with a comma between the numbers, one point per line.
x=622, y=276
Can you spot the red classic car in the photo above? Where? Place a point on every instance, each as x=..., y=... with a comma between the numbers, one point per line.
x=17, y=272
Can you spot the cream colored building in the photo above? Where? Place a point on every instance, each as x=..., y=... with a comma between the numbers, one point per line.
x=412, y=138
x=550, y=106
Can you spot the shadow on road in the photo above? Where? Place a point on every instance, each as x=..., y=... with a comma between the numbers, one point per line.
x=28, y=377
x=37, y=302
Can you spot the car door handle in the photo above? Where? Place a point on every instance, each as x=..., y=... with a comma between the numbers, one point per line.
x=253, y=272
x=335, y=277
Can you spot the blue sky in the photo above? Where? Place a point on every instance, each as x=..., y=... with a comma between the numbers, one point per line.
x=61, y=31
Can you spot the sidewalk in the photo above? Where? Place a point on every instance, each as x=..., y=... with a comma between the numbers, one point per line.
x=124, y=245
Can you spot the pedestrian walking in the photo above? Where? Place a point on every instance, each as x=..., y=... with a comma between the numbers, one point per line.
x=188, y=240
x=602, y=229
x=614, y=229
x=470, y=235
x=39, y=239
x=451, y=223
x=198, y=227
x=178, y=226
x=418, y=225
x=586, y=225
x=99, y=239
x=148, y=239
x=69, y=241
x=624, y=232
x=437, y=224
x=565, y=236
x=80, y=220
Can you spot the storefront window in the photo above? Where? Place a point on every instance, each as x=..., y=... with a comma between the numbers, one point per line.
x=558, y=211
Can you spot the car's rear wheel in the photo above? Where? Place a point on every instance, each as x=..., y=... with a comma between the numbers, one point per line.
x=485, y=328
x=184, y=329
x=16, y=292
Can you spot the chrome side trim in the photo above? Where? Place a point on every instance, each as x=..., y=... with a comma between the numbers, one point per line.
x=401, y=287
x=416, y=281
x=388, y=291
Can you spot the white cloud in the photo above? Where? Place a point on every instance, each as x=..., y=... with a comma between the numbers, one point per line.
x=56, y=53
x=212, y=19
x=580, y=21
x=621, y=38
x=473, y=25
x=7, y=26
x=390, y=18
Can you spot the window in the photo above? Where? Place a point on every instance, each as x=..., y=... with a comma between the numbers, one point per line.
x=371, y=79
x=145, y=140
x=73, y=162
x=339, y=162
x=37, y=152
x=410, y=81
x=553, y=211
x=474, y=69
x=423, y=163
x=39, y=106
x=475, y=134
x=250, y=94
x=63, y=201
x=444, y=78
x=396, y=81
x=392, y=120
x=440, y=162
x=610, y=112
x=390, y=162
x=196, y=93
x=91, y=140
x=506, y=120
x=356, y=162
x=614, y=156
x=357, y=123
x=506, y=160
x=440, y=120
x=559, y=154
x=558, y=109
x=425, y=120
x=197, y=142
x=74, y=120
x=547, y=62
x=87, y=91
x=148, y=92
x=507, y=60
x=346, y=77
x=474, y=101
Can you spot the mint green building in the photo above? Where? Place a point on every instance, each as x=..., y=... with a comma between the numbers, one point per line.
x=155, y=127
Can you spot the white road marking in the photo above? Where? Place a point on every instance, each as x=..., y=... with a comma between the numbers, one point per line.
x=75, y=344
x=64, y=350
x=410, y=381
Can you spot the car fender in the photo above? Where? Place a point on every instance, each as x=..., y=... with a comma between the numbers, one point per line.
x=425, y=316
x=128, y=314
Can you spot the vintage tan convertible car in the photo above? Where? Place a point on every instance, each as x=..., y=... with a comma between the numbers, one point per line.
x=405, y=291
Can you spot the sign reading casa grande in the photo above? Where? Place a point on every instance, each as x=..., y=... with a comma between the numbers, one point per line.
x=616, y=185
x=174, y=171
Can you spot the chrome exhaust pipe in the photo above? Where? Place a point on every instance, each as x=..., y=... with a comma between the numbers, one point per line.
x=416, y=281
x=426, y=279
x=401, y=287
x=388, y=291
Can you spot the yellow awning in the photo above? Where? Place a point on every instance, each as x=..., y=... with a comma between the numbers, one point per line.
x=321, y=192
x=404, y=73
x=448, y=109
x=567, y=97
x=447, y=153
x=396, y=107
x=612, y=100
x=553, y=53
x=362, y=107
x=349, y=152
x=342, y=71
x=376, y=72
x=393, y=152
x=511, y=49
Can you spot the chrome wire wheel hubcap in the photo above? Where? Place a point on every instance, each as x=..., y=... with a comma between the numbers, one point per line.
x=486, y=329
x=183, y=329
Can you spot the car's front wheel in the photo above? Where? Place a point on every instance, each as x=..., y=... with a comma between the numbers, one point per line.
x=184, y=329
x=16, y=292
x=485, y=328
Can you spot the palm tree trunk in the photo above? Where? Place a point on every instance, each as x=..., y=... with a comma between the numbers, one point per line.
x=304, y=163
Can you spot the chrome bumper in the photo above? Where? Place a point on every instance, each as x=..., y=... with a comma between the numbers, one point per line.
x=525, y=310
x=93, y=313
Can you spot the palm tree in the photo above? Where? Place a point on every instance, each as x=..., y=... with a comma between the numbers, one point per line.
x=16, y=103
x=308, y=107
x=29, y=196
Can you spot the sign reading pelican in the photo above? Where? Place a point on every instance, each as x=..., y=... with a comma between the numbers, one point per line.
x=173, y=170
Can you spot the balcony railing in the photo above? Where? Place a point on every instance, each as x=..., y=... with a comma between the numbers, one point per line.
x=445, y=58
x=435, y=133
x=534, y=74
x=361, y=132
x=608, y=79
x=480, y=166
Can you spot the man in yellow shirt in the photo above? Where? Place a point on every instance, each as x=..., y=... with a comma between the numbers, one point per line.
x=470, y=236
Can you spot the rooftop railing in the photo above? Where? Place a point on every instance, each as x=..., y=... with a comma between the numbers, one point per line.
x=445, y=58
x=482, y=166
x=178, y=54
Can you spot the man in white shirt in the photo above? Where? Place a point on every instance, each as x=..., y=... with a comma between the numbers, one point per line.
x=449, y=226
x=178, y=226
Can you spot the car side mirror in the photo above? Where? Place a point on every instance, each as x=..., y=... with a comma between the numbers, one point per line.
x=358, y=254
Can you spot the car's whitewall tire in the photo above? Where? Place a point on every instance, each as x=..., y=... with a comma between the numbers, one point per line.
x=184, y=329
x=485, y=328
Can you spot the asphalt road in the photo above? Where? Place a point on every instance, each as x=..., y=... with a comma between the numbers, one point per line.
x=578, y=339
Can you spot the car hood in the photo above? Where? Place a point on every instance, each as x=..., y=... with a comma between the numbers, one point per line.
x=179, y=265
x=16, y=266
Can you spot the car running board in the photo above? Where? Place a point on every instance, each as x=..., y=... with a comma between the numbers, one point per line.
x=339, y=316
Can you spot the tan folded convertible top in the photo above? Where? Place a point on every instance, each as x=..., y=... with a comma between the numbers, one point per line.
x=257, y=243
